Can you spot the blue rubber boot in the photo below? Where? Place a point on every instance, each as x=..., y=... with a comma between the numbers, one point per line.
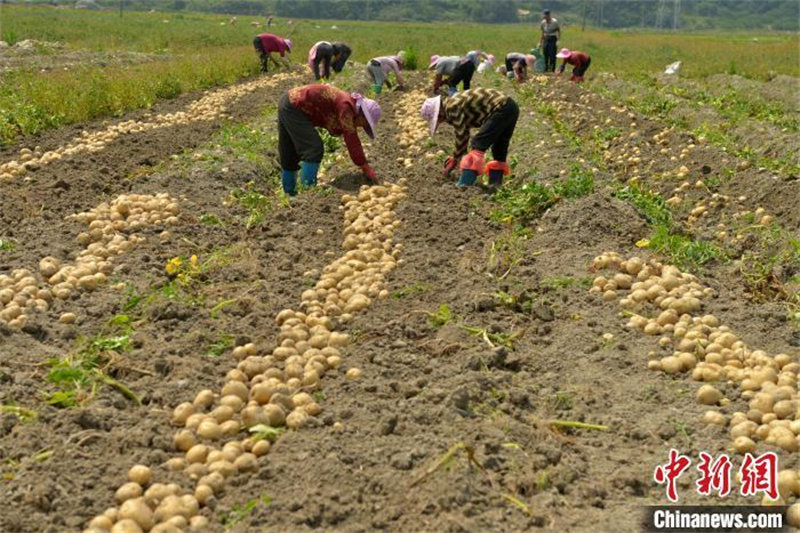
x=289, y=181
x=308, y=174
x=451, y=91
x=468, y=178
x=495, y=179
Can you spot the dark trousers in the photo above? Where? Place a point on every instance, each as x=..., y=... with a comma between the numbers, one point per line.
x=324, y=56
x=497, y=131
x=463, y=73
x=550, y=53
x=298, y=139
x=518, y=66
x=262, y=55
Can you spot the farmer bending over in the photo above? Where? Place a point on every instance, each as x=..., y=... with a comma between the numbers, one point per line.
x=494, y=112
x=579, y=60
x=267, y=43
x=331, y=55
x=518, y=64
x=452, y=70
x=305, y=108
x=379, y=68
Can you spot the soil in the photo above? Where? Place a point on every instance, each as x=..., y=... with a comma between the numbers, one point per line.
x=369, y=461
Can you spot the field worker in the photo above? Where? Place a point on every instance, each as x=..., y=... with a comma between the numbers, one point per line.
x=494, y=112
x=303, y=109
x=452, y=70
x=519, y=65
x=551, y=33
x=486, y=64
x=379, y=68
x=267, y=43
x=331, y=55
x=539, y=66
x=578, y=60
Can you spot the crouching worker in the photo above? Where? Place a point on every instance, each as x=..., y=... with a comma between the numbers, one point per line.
x=519, y=64
x=452, y=70
x=578, y=60
x=330, y=55
x=379, y=68
x=494, y=112
x=305, y=108
x=266, y=44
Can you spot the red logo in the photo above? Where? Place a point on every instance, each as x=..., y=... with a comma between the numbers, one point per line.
x=760, y=475
x=670, y=472
x=714, y=475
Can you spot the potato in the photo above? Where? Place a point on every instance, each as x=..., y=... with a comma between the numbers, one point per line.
x=67, y=318
x=101, y=522
x=260, y=448
x=204, y=399
x=296, y=419
x=225, y=468
x=137, y=510
x=128, y=491
x=202, y=493
x=198, y=523
x=182, y=413
x=744, y=445
x=171, y=506
x=126, y=525
x=209, y=429
x=140, y=474
x=184, y=440
x=246, y=462
x=715, y=417
x=354, y=374
x=708, y=395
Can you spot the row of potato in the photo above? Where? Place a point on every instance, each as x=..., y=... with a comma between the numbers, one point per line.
x=213, y=106
x=270, y=390
x=111, y=231
x=660, y=300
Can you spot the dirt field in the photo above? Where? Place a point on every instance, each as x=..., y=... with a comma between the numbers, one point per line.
x=487, y=335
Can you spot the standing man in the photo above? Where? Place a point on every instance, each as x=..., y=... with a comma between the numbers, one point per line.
x=551, y=33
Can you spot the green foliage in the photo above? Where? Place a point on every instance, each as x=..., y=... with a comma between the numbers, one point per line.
x=416, y=288
x=411, y=61
x=256, y=204
x=443, y=315
x=240, y=512
x=650, y=205
x=683, y=251
x=220, y=346
x=263, y=431
x=81, y=373
x=6, y=245
x=211, y=220
x=565, y=282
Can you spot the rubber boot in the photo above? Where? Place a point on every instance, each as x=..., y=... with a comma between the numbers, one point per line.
x=289, y=181
x=451, y=91
x=308, y=174
x=495, y=179
x=468, y=178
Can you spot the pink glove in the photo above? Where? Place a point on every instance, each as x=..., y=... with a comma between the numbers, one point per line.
x=369, y=173
x=449, y=164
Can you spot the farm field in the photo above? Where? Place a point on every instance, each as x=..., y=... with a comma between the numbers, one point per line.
x=401, y=357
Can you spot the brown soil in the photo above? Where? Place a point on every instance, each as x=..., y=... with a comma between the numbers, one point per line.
x=424, y=389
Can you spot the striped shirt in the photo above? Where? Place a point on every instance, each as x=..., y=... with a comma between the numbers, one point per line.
x=470, y=109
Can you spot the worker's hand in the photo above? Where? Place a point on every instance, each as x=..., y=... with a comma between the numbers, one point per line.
x=401, y=87
x=369, y=173
x=449, y=165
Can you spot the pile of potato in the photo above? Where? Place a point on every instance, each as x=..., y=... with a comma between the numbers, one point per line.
x=210, y=107
x=111, y=232
x=413, y=129
x=707, y=350
x=273, y=389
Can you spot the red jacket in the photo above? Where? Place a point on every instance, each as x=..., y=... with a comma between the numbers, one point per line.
x=577, y=59
x=273, y=43
x=334, y=110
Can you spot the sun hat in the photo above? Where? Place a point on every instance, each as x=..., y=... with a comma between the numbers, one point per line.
x=430, y=112
x=434, y=61
x=490, y=59
x=564, y=54
x=288, y=43
x=370, y=109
